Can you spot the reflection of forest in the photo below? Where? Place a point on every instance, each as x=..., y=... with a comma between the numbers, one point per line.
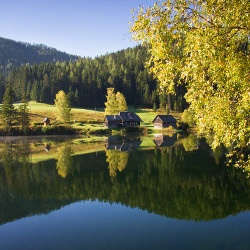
x=168, y=181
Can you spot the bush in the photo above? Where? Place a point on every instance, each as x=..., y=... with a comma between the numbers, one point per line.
x=57, y=130
x=36, y=123
x=141, y=130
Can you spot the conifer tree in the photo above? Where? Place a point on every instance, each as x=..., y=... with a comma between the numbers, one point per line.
x=23, y=114
x=8, y=110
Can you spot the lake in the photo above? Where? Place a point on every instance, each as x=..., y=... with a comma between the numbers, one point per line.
x=159, y=192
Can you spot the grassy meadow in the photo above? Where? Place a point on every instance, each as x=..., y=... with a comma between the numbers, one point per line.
x=39, y=111
x=89, y=120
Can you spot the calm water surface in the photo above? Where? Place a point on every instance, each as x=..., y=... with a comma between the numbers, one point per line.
x=122, y=193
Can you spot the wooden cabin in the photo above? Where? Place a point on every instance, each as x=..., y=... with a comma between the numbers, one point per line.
x=112, y=121
x=46, y=122
x=164, y=121
x=123, y=119
x=130, y=119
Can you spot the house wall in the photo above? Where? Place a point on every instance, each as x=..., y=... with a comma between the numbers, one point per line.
x=112, y=124
x=131, y=124
x=164, y=124
x=157, y=125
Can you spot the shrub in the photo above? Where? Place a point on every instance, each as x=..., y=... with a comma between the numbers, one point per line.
x=57, y=130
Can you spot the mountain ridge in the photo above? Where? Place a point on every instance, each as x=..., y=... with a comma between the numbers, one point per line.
x=14, y=54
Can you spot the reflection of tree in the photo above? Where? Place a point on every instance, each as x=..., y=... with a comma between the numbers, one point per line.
x=218, y=154
x=167, y=181
x=8, y=162
x=238, y=157
x=64, y=160
x=117, y=161
x=190, y=143
x=13, y=155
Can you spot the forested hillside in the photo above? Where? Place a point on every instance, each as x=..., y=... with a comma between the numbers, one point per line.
x=14, y=53
x=86, y=81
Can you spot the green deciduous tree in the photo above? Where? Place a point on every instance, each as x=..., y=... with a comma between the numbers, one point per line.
x=206, y=45
x=63, y=107
x=116, y=102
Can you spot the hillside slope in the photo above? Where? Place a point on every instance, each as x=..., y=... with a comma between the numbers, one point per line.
x=14, y=53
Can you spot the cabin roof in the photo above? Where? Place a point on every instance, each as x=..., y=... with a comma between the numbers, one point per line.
x=129, y=116
x=112, y=118
x=124, y=116
x=166, y=118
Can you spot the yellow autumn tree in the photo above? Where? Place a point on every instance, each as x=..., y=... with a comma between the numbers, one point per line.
x=115, y=103
x=63, y=107
x=206, y=45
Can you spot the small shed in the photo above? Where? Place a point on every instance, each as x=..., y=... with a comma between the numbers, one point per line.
x=112, y=121
x=164, y=121
x=47, y=147
x=46, y=122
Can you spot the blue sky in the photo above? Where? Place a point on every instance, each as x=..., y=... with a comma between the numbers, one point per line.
x=79, y=27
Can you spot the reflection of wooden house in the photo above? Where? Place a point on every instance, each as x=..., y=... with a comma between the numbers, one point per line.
x=130, y=145
x=122, y=144
x=164, y=121
x=46, y=122
x=123, y=119
x=165, y=140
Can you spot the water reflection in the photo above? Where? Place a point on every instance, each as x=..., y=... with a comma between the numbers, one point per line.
x=117, y=152
x=64, y=162
x=191, y=142
x=122, y=143
x=183, y=180
x=117, y=161
x=162, y=140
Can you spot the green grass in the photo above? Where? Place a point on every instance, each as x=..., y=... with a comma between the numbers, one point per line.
x=39, y=111
x=89, y=120
x=147, y=115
